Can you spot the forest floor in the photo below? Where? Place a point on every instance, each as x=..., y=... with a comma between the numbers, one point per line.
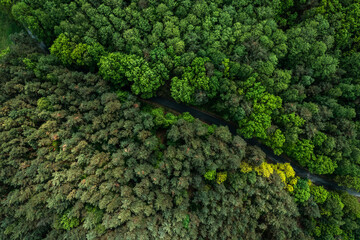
x=7, y=27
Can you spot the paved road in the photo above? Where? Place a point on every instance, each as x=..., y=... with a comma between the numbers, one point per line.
x=41, y=43
x=212, y=119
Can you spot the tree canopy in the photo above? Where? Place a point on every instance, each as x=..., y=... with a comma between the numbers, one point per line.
x=77, y=143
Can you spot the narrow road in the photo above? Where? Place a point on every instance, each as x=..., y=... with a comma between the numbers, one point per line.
x=41, y=43
x=211, y=119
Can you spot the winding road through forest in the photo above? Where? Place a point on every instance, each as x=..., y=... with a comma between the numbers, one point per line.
x=212, y=119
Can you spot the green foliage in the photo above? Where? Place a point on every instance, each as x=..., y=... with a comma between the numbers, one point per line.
x=319, y=193
x=122, y=68
x=162, y=119
x=67, y=222
x=4, y=52
x=44, y=104
x=114, y=173
x=194, y=83
x=122, y=95
x=301, y=191
x=56, y=145
x=63, y=49
x=319, y=139
x=351, y=204
x=292, y=120
x=29, y=63
x=8, y=26
x=282, y=86
x=6, y=3
x=322, y=165
x=276, y=141
x=226, y=63
x=286, y=71
x=303, y=54
x=165, y=120
x=210, y=175
x=303, y=152
x=187, y=117
x=259, y=121
x=93, y=220
x=186, y=222
x=211, y=128
x=79, y=54
x=349, y=181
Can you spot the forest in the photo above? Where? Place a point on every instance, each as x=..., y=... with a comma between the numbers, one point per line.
x=8, y=26
x=84, y=157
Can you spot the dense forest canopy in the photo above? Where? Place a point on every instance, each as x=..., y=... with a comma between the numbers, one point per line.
x=82, y=162
x=7, y=27
x=82, y=158
x=286, y=71
x=75, y=157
